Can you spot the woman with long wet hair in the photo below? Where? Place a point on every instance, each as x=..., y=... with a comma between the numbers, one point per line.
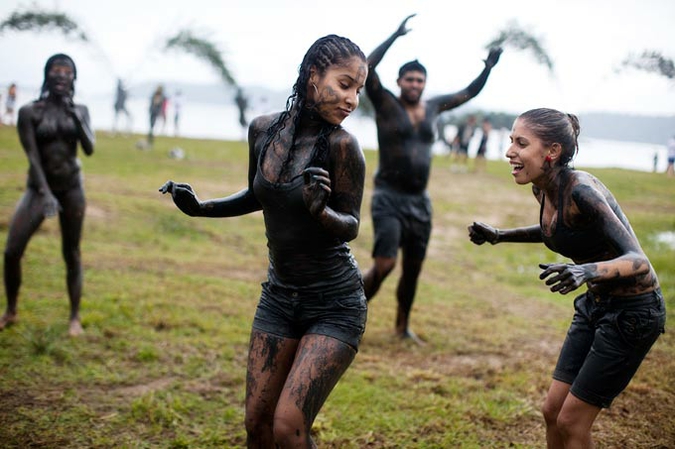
x=306, y=173
x=49, y=129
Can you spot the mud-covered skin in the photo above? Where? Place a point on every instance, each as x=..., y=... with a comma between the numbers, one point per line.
x=611, y=261
x=580, y=219
x=405, y=124
x=334, y=198
x=309, y=174
x=405, y=133
x=49, y=130
x=621, y=269
x=300, y=389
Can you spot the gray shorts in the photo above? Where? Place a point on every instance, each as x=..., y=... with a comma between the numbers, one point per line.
x=291, y=314
x=401, y=220
x=606, y=343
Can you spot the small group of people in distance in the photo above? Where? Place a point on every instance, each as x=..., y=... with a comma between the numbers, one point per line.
x=307, y=174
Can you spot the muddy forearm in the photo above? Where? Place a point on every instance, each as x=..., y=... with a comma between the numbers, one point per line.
x=530, y=234
x=240, y=203
x=86, y=133
x=343, y=226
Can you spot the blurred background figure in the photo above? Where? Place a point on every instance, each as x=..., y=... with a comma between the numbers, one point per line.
x=121, y=95
x=177, y=106
x=157, y=101
x=446, y=133
x=670, y=170
x=242, y=104
x=10, y=105
x=486, y=127
x=163, y=113
x=462, y=140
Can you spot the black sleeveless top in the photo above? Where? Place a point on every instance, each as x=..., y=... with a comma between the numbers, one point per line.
x=578, y=243
x=302, y=255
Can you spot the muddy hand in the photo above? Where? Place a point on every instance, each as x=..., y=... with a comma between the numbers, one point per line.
x=316, y=189
x=566, y=277
x=480, y=233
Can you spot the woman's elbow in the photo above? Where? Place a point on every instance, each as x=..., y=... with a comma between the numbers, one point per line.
x=351, y=231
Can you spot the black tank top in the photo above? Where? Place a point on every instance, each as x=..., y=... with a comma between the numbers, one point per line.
x=578, y=243
x=302, y=255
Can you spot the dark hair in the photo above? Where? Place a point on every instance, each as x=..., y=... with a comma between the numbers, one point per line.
x=552, y=126
x=324, y=53
x=411, y=66
x=44, y=90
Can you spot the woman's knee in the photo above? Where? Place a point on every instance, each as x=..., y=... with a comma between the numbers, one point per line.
x=258, y=424
x=290, y=430
x=550, y=411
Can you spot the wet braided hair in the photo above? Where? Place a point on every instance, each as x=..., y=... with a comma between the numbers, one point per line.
x=553, y=126
x=324, y=53
x=44, y=90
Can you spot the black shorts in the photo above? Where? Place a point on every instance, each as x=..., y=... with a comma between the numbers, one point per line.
x=291, y=314
x=606, y=343
x=401, y=220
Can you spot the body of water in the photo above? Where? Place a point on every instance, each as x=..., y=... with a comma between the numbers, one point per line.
x=214, y=121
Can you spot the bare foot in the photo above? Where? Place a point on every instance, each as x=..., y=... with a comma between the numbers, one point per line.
x=409, y=335
x=7, y=320
x=75, y=328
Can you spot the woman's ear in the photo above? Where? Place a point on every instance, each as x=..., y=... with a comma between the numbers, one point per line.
x=313, y=75
x=554, y=152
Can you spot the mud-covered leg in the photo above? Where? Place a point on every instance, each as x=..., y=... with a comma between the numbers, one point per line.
x=269, y=361
x=320, y=362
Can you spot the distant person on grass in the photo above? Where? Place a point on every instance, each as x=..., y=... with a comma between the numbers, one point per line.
x=401, y=208
x=10, y=104
x=306, y=173
x=670, y=147
x=481, y=161
x=157, y=105
x=621, y=315
x=120, y=106
x=465, y=133
x=49, y=129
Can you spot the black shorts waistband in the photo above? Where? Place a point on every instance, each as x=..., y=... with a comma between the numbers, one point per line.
x=613, y=301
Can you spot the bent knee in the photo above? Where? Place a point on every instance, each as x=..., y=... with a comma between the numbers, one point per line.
x=257, y=425
x=550, y=411
x=289, y=432
x=384, y=266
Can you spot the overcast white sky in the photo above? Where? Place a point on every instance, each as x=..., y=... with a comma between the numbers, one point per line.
x=263, y=42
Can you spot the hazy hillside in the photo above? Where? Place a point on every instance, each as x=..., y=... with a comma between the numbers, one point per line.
x=633, y=128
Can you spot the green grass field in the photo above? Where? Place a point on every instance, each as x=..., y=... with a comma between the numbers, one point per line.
x=168, y=303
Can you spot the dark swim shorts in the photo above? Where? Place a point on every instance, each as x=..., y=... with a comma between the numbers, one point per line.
x=606, y=343
x=291, y=314
x=400, y=220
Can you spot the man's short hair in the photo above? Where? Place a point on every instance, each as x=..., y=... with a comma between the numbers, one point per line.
x=412, y=66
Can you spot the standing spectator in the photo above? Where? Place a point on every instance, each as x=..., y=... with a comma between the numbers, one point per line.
x=10, y=104
x=242, y=105
x=121, y=95
x=155, y=110
x=670, y=170
x=462, y=140
x=177, y=110
x=480, y=161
